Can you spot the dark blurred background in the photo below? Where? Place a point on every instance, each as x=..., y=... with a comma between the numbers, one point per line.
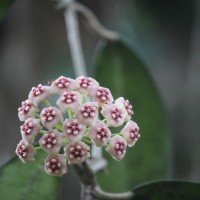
x=166, y=34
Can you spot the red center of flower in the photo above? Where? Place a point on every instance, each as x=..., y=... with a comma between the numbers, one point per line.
x=134, y=135
x=53, y=166
x=101, y=133
x=120, y=147
x=88, y=111
x=27, y=128
x=22, y=151
x=38, y=90
x=103, y=94
x=85, y=82
x=69, y=97
x=116, y=114
x=128, y=107
x=76, y=152
x=49, y=140
x=49, y=114
x=73, y=128
x=62, y=82
x=25, y=107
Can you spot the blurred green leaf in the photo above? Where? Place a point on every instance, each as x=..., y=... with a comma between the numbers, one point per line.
x=121, y=70
x=168, y=190
x=20, y=181
x=4, y=6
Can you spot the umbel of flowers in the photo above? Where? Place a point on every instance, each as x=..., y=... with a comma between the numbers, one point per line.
x=81, y=100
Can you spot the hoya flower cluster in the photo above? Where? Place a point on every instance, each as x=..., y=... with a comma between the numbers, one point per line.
x=69, y=129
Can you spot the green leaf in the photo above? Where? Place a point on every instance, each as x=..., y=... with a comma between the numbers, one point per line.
x=4, y=6
x=123, y=72
x=20, y=181
x=168, y=190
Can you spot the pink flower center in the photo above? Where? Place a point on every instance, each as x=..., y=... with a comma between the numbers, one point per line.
x=49, y=114
x=134, y=135
x=25, y=107
x=49, y=140
x=62, y=82
x=101, y=133
x=38, y=90
x=69, y=97
x=73, y=127
x=120, y=148
x=128, y=107
x=22, y=151
x=88, y=111
x=116, y=114
x=103, y=94
x=53, y=166
x=27, y=128
x=76, y=152
x=85, y=82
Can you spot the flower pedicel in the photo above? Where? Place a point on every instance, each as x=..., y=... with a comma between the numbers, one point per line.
x=81, y=128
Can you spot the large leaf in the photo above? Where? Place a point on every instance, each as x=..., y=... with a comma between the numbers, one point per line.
x=4, y=6
x=20, y=181
x=171, y=190
x=120, y=69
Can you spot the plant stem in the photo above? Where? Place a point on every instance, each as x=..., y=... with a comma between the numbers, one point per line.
x=74, y=39
x=70, y=114
x=37, y=115
x=38, y=148
x=59, y=127
x=83, y=99
x=47, y=104
x=104, y=120
x=87, y=141
x=42, y=132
